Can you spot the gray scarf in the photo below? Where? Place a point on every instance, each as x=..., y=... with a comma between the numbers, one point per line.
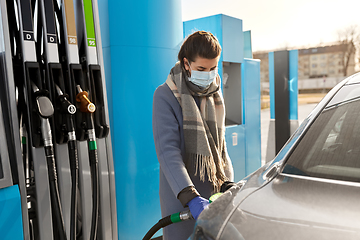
x=204, y=128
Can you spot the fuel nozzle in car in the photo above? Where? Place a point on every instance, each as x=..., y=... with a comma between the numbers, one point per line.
x=166, y=221
x=175, y=218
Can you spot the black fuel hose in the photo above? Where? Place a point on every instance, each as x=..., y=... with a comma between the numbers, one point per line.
x=179, y=217
x=95, y=187
x=88, y=107
x=74, y=166
x=166, y=221
x=24, y=153
x=161, y=224
x=54, y=191
x=68, y=109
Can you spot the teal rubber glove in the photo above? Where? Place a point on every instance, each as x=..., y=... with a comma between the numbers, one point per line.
x=197, y=205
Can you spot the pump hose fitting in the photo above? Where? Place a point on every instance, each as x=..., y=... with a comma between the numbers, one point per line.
x=173, y=218
x=176, y=217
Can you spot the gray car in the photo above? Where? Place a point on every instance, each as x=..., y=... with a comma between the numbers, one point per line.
x=311, y=190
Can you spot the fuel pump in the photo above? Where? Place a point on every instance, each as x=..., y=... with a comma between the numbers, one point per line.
x=75, y=81
x=64, y=181
x=88, y=34
x=90, y=53
x=41, y=188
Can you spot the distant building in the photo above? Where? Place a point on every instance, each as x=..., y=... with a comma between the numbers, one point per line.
x=319, y=67
x=264, y=65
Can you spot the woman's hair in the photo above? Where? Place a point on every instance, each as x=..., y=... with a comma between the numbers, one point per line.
x=199, y=44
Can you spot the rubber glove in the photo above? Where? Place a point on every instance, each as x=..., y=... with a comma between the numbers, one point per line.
x=197, y=205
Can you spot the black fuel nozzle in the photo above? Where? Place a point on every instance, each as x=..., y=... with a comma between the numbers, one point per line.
x=65, y=105
x=45, y=110
x=44, y=106
x=67, y=109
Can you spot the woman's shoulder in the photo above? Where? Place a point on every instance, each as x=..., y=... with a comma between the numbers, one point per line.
x=163, y=92
x=163, y=89
x=165, y=99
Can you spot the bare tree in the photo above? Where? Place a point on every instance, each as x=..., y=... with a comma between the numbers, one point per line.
x=350, y=39
x=284, y=46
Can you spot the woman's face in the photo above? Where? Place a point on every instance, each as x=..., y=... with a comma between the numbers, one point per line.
x=201, y=64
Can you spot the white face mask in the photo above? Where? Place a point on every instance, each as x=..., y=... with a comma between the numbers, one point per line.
x=203, y=79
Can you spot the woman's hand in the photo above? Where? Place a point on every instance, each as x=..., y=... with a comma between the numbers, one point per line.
x=197, y=205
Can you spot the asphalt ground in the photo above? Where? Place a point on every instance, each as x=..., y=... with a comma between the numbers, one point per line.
x=306, y=103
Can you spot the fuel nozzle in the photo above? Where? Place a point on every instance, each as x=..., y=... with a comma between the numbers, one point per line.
x=85, y=104
x=65, y=105
x=44, y=106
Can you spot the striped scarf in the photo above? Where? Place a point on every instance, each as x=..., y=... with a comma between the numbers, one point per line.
x=204, y=128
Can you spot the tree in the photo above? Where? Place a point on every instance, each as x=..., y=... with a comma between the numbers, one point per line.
x=350, y=39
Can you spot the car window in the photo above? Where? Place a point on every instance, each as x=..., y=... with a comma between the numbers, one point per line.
x=331, y=147
x=345, y=94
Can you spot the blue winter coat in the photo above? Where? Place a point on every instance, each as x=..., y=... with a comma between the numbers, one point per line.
x=170, y=149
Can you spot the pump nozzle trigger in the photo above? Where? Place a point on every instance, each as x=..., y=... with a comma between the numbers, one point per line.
x=85, y=104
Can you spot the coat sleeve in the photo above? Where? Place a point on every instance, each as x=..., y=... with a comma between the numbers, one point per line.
x=167, y=138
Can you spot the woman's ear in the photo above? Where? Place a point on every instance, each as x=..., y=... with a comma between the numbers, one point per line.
x=186, y=64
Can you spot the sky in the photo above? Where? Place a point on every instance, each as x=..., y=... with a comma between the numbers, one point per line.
x=277, y=24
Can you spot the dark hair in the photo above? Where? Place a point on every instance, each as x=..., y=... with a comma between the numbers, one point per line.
x=199, y=44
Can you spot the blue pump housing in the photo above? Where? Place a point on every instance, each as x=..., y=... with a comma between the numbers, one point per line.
x=11, y=226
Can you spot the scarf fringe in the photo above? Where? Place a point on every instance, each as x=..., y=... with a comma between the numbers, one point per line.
x=204, y=166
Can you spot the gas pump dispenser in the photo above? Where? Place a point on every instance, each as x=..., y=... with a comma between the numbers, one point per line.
x=28, y=82
x=51, y=80
x=90, y=53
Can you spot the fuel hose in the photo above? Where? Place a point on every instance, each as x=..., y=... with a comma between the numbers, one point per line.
x=174, y=218
x=166, y=221
x=45, y=110
x=93, y=157
x=74, y=166
x=68, y=109
x=87, y=106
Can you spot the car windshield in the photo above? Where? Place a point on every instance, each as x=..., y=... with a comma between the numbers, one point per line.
x=331, y=147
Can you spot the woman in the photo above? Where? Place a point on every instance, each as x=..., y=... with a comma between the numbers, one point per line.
x=189, y=132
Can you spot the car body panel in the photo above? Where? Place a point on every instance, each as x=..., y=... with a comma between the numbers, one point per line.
x=299, y=208
x=271, y=205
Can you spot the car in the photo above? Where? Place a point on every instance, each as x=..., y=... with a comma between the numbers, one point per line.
x=310, y=190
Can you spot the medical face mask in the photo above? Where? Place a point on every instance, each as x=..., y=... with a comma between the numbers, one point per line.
x=203, y=79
